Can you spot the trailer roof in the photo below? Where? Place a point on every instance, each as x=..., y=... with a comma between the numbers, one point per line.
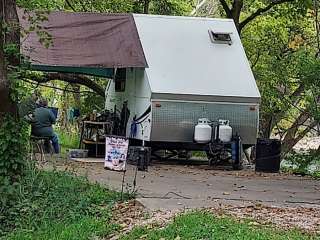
x=183, y=61
x=91, y=43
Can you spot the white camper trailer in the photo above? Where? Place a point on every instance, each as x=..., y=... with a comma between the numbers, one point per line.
x=176, y=76
x=197, y=68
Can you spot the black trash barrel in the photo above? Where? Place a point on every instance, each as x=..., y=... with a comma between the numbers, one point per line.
x=268, y=153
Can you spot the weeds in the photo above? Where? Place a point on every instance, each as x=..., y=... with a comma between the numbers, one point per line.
x=305, y=163
x=57, y=205
x=68, y=140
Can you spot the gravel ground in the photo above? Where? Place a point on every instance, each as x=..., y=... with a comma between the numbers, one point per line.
x=132, y=214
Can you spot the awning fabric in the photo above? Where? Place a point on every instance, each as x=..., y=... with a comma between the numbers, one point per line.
x=89, y=43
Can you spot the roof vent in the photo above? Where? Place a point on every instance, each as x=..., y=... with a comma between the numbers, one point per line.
x=220, y=37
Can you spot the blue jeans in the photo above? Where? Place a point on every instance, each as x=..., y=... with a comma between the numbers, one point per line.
x=55, y=143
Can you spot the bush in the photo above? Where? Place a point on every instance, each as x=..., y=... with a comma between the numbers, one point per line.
x=13, y=153
x=57, y=205
x=301, y=162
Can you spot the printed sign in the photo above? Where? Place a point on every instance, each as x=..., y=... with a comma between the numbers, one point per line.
x=116, y=153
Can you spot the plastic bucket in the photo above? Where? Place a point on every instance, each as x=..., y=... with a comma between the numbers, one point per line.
x=78, y=153
x=268, y=154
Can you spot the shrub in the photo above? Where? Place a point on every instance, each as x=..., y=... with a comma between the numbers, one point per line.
x=13, y=152
x=302, y=161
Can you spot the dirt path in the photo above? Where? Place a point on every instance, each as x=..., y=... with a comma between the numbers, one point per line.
x=170, y=187
x=166, y=190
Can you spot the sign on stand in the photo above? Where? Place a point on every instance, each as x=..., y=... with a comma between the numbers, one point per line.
x=116, y=153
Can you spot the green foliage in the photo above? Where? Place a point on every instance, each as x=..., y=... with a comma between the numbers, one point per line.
x=58, y=205
x=281, y=47
x=301, y=162
x=91, y=102
x=203, y=225
x=171, y=7
x=68, y=140
x=84, y=229
x=13, y=153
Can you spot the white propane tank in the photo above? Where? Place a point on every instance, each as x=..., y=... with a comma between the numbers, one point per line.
x=225, y=131
x=202, y=131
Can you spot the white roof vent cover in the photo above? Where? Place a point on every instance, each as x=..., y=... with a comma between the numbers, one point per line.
x=220, y=37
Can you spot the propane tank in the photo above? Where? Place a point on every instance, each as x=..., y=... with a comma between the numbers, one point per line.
x=202, y=131
x=225, y=131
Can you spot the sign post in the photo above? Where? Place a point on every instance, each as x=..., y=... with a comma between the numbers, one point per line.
x=116, y=155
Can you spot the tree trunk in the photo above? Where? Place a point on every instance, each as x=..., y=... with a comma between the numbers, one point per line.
x=76, y=95
x=6, y=105
x=236, y=11
x=4, y=86
x=64, y=124
x=266, y=125
x=146, y=5
x=291, y=138
x=291, y=141
x=12, y=36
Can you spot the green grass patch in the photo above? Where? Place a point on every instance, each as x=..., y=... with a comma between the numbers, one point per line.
x=204, y=225
x=58, y=205
x=68, y=140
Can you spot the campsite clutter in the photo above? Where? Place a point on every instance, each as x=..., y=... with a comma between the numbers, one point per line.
x=168, y=93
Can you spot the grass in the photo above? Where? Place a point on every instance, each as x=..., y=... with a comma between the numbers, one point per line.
x=203, y=225
x=68, y=140
x=58, y=205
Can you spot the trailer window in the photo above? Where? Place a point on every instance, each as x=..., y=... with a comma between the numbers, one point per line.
x=120, y=80
x=220, y=37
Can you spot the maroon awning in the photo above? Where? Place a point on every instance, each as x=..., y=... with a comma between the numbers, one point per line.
x=86, y=40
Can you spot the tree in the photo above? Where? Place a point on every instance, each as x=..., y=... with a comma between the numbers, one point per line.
x=234, y=11
x=4, y=85
x=281, y=48
x=205, y=8
x=8, y=37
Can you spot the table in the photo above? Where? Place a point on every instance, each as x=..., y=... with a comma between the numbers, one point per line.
x=92, y=132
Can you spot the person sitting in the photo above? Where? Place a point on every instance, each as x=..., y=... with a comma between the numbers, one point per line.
x=42, y=125
x=27, y=107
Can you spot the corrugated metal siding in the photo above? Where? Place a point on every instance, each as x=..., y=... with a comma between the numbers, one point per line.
x=175, y=121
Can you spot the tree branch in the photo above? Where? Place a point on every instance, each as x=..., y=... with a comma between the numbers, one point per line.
x=197, y=7
x=292, y=137
x=256, y=60
x=69, y=78
x=290, y=141
x=236, y=11
x=317, y=23
x=261, y=11
x=70, y=5
x=226, y=8
x=146, y=5
x=56, y=88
